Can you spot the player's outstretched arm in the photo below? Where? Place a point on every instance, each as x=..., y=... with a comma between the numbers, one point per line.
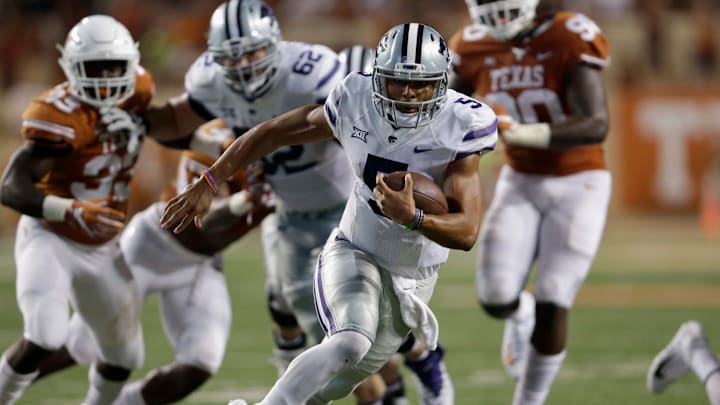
x=301, y=125
x=173, y=121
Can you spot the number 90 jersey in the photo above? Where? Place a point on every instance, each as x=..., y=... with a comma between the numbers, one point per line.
x=90, y=162
x=461, y=128
x=527, y=78
x=306, y=74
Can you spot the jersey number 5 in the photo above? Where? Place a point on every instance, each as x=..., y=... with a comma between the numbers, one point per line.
x=373, y=166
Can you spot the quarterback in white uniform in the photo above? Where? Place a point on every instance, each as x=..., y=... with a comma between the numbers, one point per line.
x=378, y=269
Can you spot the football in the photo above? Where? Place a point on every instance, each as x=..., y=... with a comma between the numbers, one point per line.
x=428, y=196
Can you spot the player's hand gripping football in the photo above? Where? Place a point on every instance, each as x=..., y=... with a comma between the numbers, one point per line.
x=190, y=205
x=396, y=205
x=95, y=218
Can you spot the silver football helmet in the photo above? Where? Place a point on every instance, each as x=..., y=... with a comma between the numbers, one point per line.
x=357, y=58
x=410, y=52
x=503, y=19
x=99, y=59
x=240, y=27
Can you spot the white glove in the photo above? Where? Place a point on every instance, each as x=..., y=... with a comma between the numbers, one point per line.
x=119, y=121
x=529, y=135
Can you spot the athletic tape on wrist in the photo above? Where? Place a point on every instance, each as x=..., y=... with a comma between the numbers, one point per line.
x=54, y=208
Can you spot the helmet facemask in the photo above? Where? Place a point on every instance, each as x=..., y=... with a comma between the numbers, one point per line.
x=392, y=110
x=503, y=19
x=414, y=53
x=252, y=78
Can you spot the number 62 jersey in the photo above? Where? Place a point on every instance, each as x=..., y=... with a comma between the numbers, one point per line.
x=463, y=126
x=298, y=174
x=528, y=79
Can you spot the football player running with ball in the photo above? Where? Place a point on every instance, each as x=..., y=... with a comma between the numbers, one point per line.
x=551, y=199
x=377, y=270
x=428, y=366
x=70, y=181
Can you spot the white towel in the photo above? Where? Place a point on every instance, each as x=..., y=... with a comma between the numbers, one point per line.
x=416, y=314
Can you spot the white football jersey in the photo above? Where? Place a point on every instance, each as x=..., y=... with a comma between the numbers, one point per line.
x=464, y=126
x=308, y=177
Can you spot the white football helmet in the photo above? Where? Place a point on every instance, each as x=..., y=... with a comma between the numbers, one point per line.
x=411, y=52
x=94, y=46
x=503, y=19
x=238, y=27
x=357, y=58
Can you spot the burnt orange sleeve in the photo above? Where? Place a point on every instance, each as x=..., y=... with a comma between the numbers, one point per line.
x=53, y=126
x=584, y=38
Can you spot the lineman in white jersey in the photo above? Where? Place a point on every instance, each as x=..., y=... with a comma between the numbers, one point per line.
x=249, y=75
x=377, y=271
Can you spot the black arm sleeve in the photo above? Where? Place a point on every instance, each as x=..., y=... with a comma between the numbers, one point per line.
x=200, y=109
x=182, y=143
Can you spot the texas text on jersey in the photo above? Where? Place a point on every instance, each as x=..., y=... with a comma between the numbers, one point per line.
x=527, y=79
x=93, y=163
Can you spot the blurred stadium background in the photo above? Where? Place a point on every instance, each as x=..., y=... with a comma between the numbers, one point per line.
x=659, y=263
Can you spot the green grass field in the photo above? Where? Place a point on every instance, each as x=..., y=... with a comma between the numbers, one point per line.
x=651, y=274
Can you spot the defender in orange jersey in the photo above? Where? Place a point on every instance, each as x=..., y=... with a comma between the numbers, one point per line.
x=186, y=271
x=70, y=181
x=552, y=196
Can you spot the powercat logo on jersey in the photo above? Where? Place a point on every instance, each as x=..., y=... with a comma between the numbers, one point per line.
x=359, y=134
x=517, y=77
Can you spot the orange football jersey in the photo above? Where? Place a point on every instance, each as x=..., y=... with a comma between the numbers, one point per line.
x=528, y=80
x=90, y=162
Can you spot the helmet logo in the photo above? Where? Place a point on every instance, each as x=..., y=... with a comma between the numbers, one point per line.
x=443, y=48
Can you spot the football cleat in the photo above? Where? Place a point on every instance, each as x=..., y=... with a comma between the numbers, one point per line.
x=672, y=361
x=432, y=379
x=516, y=336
